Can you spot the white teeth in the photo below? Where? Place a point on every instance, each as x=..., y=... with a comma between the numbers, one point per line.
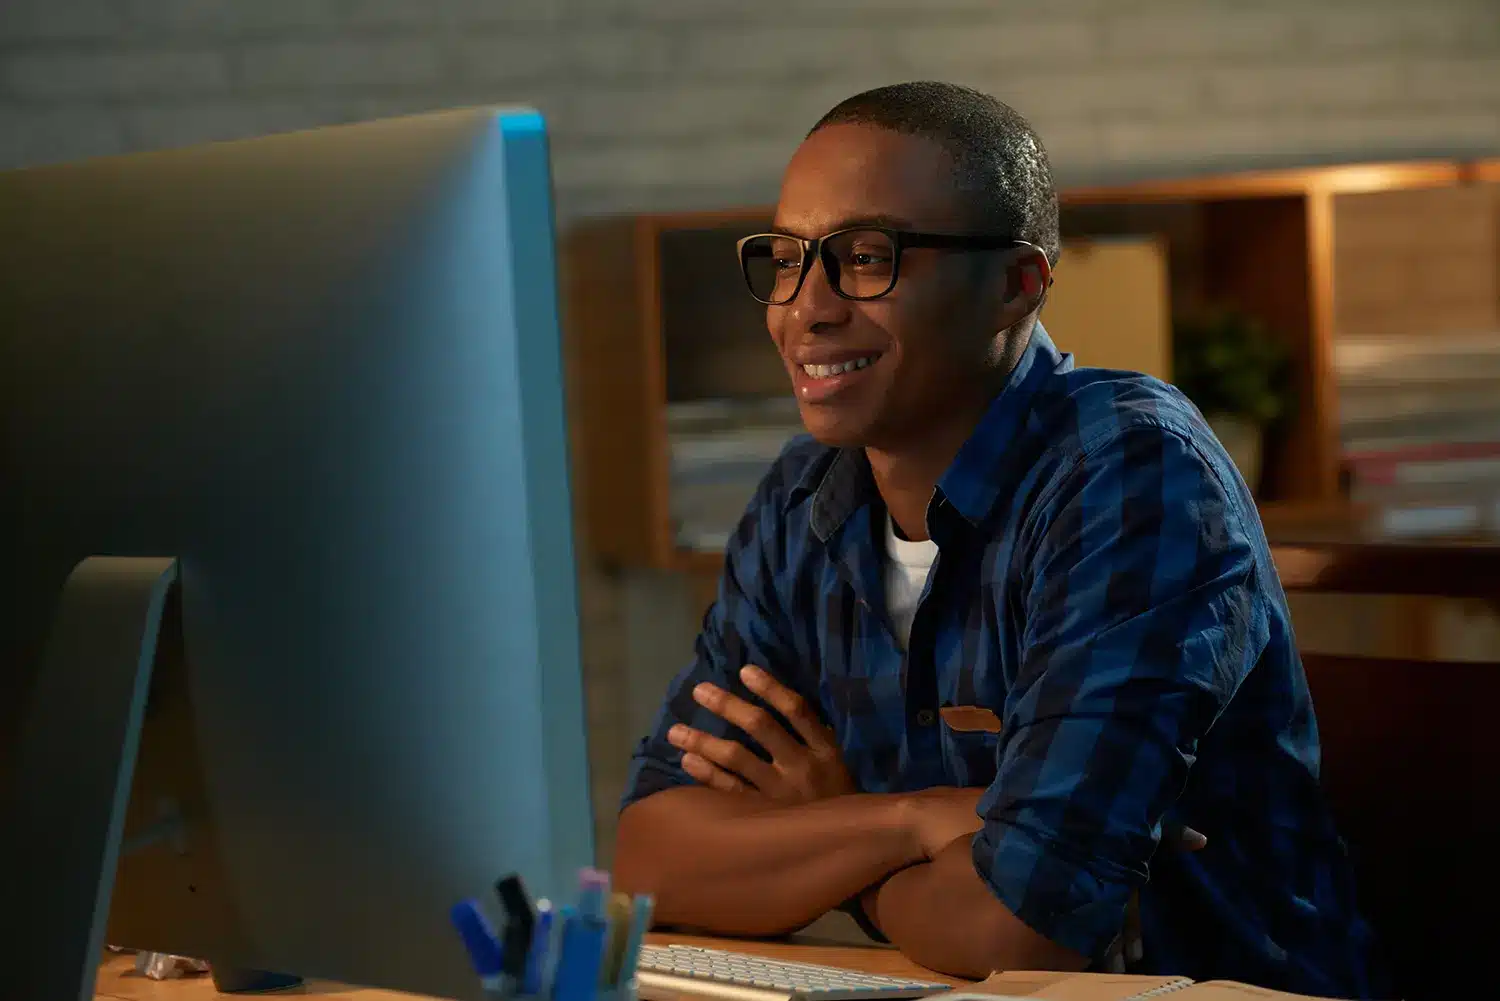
x=828, y=371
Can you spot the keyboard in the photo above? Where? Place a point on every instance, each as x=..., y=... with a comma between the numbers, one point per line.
x=669, y=972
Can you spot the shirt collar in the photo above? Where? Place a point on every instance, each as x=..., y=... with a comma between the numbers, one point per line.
x=839, y=484
x=971, y=485
x=842, y=482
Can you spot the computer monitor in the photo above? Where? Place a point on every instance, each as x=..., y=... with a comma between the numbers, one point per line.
x=284, y=439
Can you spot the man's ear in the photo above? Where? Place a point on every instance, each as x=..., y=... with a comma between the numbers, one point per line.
x=1027, y=279
x=1031, y=276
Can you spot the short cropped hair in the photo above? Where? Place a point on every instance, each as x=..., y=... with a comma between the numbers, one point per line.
x=999, y=160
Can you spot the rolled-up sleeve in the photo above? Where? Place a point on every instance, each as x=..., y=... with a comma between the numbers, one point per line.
x=746, y=624
x=1141, y=618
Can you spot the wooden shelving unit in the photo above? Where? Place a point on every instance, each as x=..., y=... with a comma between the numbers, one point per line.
x=657, y=315
x=638, y=330
x=1483, y=170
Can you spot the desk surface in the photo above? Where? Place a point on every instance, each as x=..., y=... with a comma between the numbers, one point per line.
x=118, y=981
x=1332, y=549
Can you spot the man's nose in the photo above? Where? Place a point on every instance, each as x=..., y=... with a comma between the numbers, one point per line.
x=817, y=306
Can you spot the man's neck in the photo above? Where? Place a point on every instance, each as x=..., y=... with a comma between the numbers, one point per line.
x=907, y=477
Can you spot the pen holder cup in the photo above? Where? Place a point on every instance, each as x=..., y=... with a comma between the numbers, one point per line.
x=624, y=992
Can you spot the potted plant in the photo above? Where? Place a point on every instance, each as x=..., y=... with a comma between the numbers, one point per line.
x=1238, y=375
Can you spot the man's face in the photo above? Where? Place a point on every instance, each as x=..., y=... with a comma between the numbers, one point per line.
x=923, y=345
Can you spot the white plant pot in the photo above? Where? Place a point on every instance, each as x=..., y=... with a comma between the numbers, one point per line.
x=1243, y=440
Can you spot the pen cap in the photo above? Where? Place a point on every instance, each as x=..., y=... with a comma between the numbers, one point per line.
x=516, y=902
x=617, y=913
x=478, y=937
x=520, y=919
x=538, y=973
x=642, y=908
x=593, y=886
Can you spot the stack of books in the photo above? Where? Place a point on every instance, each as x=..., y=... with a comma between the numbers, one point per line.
x=1416, y=279
x=1419, y=422
x=720, y=451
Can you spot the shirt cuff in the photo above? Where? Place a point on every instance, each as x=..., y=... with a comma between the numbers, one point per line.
x=1059, y=899
x=651, y=774
x=855, y=908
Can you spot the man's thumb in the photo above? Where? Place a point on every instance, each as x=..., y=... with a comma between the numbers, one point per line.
x=1189, y=840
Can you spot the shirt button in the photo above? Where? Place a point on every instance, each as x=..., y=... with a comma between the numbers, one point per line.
x=926, y=717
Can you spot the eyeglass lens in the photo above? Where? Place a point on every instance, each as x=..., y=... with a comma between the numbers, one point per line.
x=861, y=264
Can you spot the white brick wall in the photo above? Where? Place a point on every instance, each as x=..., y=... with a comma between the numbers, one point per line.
x=681, y=103
x=45, y=77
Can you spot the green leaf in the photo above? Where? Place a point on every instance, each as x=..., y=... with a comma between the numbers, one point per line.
x=1226, y=362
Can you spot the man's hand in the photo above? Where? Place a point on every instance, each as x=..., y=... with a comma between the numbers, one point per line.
x=935, y=818
x=1130, y=948
x=804, y=767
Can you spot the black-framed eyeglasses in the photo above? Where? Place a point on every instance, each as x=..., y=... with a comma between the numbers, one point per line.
x=861, y=263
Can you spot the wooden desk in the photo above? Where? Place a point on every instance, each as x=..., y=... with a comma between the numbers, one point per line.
x=1332, y=548
x=118, y=982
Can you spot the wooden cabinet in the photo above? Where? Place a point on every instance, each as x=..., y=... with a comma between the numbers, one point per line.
x=1111, y=304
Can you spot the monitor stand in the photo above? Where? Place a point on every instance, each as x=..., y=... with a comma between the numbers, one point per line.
x=61, y=836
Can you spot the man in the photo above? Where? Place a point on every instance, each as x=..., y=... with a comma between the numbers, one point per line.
x=996, y=624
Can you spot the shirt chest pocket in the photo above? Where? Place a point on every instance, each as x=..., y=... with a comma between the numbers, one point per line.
x=970, y=756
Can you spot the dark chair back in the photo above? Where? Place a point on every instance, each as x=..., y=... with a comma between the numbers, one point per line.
x=1411, y=766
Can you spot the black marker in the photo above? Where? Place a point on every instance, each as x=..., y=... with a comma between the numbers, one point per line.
x=520, y=924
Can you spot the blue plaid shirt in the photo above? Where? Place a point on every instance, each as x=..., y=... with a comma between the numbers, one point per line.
x=1103, y=584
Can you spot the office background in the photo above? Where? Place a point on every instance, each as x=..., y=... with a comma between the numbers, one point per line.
x=689, y=104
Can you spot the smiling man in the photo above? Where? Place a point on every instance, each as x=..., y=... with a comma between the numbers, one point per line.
x=995, y=625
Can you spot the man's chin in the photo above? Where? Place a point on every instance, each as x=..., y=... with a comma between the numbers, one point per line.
x=835, y=431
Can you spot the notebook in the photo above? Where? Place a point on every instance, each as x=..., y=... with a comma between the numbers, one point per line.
x=1115, y=987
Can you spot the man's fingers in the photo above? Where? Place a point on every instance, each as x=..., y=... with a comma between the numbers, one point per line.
x=1133, y=947
x=726, y=754
x=1186, y=839
x=704, y=772
x=754, y=720
x=791, y=705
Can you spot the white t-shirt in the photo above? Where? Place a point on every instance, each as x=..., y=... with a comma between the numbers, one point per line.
x=906, y=572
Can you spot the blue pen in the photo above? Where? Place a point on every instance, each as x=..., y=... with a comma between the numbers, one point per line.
x=580, y=956
x=536, y=981
x=640, y=924
x=483, y=947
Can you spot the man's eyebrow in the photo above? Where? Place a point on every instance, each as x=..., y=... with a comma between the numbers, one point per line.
x=881, y=221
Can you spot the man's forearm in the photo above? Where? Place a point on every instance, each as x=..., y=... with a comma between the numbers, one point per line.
x=942, y=915
x=730, y=863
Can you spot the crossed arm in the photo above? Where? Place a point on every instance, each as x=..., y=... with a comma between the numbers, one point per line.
x=783, y=841
x=1140, y=622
